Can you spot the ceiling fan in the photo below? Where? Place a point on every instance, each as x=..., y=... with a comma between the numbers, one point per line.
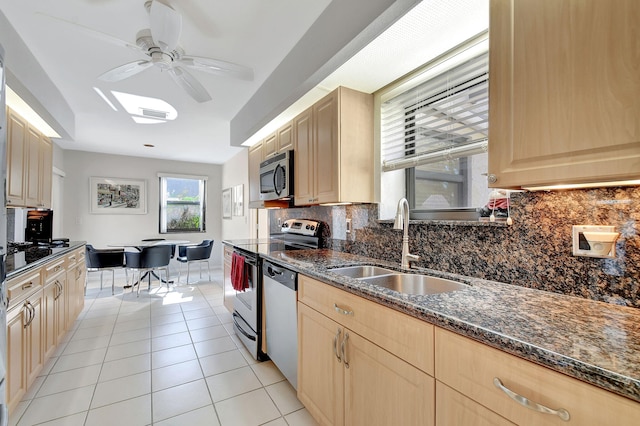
x=160, y=45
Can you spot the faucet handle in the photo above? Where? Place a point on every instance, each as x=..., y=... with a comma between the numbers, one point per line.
x=412, y=257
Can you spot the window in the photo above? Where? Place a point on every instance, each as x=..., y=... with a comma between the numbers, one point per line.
x=182, y=203
x=434, y=126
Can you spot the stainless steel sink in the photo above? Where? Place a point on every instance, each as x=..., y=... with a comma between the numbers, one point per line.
x=362, y=271
x=415, y=284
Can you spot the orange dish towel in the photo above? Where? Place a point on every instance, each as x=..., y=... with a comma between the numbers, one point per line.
x=238, y=278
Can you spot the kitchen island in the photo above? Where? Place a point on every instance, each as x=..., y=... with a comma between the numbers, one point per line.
x=594, y=342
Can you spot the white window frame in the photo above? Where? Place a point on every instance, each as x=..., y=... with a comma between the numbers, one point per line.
x=164, y=202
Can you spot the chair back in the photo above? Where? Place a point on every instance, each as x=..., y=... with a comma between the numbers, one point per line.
x=155, y=256
x=200, y=252
x=110, y=258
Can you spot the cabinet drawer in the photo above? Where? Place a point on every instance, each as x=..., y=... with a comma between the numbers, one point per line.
x=53, y=269
x=75, y=257
x=21, y=287
x=453, y=409
x=470, y=368
x=408, y=338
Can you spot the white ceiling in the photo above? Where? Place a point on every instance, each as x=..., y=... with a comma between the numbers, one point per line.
x=254, y=33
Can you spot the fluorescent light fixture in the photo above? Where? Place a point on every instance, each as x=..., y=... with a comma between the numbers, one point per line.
x=17, y=104
x=104, y=98
x=146, y=110
x=584, y=185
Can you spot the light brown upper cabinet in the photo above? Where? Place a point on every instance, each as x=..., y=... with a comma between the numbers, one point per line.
x=255, y=158
x=16, y=147
x=278, y=142
x=29, y=164
x=564, y=92
x=334, y=150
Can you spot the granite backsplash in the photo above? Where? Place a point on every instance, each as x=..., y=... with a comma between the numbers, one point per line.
x=534, y=252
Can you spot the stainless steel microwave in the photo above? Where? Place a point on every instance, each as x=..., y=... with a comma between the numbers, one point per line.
x=276, y=177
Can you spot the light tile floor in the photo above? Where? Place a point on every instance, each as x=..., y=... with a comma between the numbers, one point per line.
x=165, y=358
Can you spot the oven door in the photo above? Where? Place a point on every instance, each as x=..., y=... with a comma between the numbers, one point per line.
x=246, y=303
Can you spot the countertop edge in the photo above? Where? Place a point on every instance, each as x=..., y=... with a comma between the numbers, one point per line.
x=63, y=250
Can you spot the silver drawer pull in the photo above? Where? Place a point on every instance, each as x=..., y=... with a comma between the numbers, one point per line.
x=560, y=412
x=339, y=310
x=344, y=350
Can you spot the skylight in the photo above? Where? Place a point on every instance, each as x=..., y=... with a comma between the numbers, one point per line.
x=146, y=110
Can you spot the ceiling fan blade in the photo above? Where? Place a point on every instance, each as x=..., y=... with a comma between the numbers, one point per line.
x=218, y=67
x=93, y=33
x=125, y=71
x=190, y=84
x=166, y=25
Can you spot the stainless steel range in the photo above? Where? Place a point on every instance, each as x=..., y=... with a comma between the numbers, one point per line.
x=252, y=305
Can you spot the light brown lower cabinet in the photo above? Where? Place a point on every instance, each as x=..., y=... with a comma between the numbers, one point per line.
x=25, y=352
x=455, y=409
x=471, y=368
x=345, y=379
x=43, y=302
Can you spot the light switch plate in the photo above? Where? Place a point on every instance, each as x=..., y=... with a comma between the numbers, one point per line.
x=579, y=229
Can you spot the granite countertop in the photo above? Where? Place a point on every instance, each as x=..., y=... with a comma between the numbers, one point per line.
x=34, y=256
x=596, y=342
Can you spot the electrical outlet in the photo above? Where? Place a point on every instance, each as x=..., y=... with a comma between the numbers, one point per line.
x=348, y=226
x=582, y=247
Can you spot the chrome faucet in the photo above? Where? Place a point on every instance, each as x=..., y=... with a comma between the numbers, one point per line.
x=402, y=222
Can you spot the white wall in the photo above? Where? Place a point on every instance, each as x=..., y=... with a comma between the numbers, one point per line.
x=103, y=229
x=236, y=172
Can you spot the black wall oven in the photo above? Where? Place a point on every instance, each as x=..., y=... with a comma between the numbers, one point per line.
x=276, y=177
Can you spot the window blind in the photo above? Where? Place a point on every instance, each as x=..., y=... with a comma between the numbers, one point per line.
x=442, y=118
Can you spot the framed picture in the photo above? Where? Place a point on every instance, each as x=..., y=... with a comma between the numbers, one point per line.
x=226, y=203
x=238, y=200
x=117, y=196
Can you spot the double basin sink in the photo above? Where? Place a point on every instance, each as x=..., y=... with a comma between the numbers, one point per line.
x=398, y=281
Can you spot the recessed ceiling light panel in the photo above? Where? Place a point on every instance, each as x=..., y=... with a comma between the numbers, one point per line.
x=145, y=110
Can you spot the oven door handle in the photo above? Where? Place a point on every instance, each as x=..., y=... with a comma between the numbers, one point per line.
x=247, y=335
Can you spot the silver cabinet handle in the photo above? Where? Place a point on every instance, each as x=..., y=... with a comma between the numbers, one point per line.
x=339, y=310
x=560, y=412
x=344, y=350
x=335, y=345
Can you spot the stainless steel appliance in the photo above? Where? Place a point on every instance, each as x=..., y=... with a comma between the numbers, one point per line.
x=247, y=307
x=280, y=292
x=281, y=317
x=276, y=177
x=4, y=415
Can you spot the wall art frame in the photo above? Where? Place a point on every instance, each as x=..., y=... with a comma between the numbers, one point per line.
x=117, y=195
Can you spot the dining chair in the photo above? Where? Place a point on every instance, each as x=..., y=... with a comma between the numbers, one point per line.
x=149, y=260
x=198, y=253
x=100, y=260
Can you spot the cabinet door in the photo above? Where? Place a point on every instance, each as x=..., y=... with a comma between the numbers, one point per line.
x=269, y=145
x=381, y=389
x=34, y=336
x=49, y=335
x=320, y=372
x=285, y=138
x=16, y=145
x=454, y=409
x=32, y=165
x=60, y=307
x=255, y=158
x=326, y=149
x=303, y=159
x=16, y=348
x=565, y=92
x=45, y=172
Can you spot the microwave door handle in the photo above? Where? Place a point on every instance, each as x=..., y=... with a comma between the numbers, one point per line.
x=277, y=190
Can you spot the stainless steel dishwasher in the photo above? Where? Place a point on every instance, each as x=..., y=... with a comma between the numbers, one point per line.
x=280, y=287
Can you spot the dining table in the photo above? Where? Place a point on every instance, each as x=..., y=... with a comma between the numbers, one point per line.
x=140, y=244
